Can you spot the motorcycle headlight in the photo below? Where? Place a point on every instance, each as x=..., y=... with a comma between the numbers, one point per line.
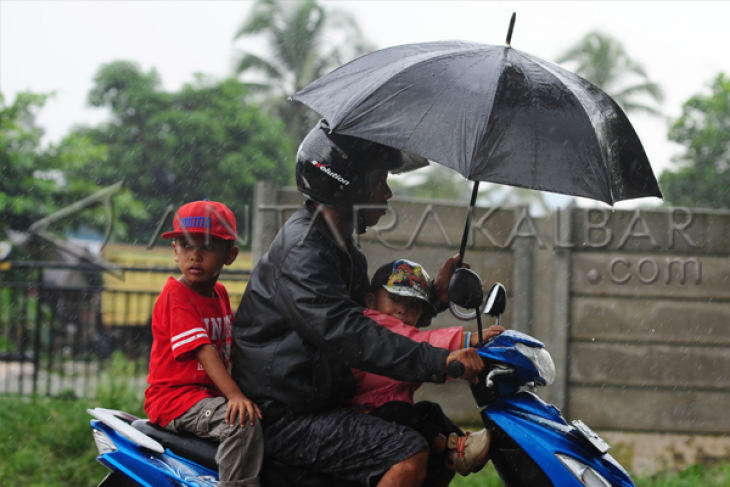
x=541, y=359
x=103, y=443
x=587, y=475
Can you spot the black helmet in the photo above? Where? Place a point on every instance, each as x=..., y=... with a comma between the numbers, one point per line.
x=334, y=169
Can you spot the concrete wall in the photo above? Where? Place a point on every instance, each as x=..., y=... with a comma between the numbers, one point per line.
x=649, y=341
x=634, y=306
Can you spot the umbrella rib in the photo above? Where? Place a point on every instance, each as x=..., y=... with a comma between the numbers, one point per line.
x=533, y=166
x=430, y=108
x=534, y=154
x=483, y=133
x=445, y=86
x=451, y=53
x=601, y=176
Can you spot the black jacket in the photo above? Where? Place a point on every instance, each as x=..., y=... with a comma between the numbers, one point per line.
x=300, y=326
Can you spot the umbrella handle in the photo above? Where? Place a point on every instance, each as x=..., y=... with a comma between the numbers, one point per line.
x=467, y=227
x=508, y=42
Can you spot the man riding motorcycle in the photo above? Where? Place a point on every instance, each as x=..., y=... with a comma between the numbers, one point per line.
x=300, y=326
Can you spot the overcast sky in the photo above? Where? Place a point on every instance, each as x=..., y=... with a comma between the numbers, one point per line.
x=58, y=45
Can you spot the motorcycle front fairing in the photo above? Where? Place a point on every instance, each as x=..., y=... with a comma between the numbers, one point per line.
x=503, y=351
x=532, y=435
x=542, y=432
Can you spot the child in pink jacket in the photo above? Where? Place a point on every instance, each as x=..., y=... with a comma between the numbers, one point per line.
x=398, y=300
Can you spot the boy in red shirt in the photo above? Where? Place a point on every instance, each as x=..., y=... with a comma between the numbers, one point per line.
x=190, y=388
x=398, y=300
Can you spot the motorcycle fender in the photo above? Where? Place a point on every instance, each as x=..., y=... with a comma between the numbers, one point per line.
x=540, y=429
x=145, y=468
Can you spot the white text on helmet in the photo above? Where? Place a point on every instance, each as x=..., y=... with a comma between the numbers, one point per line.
x=331, y=173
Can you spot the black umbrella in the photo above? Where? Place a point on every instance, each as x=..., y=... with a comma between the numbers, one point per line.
x=492, y=113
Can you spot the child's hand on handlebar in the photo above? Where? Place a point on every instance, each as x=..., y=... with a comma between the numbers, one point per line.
x=490, y=332
x=471, y=360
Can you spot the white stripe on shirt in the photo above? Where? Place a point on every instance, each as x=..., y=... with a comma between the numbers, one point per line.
x=191, y=339
x=189, y=332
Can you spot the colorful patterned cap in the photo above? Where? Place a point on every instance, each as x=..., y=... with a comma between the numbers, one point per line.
x=405, y=278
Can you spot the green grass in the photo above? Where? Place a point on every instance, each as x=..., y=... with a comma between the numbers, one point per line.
x=486, y=478
x=47, y=442
x=693, y=476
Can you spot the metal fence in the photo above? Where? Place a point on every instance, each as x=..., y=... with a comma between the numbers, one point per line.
x=61, y=323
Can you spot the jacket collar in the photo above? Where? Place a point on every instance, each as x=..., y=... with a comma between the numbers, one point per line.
x=320, y=222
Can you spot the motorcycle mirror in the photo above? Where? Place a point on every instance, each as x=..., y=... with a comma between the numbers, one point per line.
x=465, y=289
x=496, y=300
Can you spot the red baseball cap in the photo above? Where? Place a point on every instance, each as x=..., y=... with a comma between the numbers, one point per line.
x=204, y=217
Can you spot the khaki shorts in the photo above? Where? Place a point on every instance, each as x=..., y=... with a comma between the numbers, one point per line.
x=241, y=450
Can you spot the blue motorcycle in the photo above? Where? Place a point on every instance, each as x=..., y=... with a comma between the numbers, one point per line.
x=532, y=444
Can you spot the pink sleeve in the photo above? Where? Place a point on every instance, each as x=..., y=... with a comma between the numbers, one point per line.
x=448, y=338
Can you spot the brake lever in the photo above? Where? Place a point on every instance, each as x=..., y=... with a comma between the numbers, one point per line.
x=496, y=372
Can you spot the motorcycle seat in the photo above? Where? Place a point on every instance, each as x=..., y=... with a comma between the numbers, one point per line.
x=193, y=448
x=202, y=452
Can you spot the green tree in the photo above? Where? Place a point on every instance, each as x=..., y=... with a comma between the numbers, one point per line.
x=207, y=140
x=29, y=185
x=35, y=180
x=305, y=42
x=603, y=61
x=703, y=176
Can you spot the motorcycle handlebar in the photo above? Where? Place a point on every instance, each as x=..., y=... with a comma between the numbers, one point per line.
x=455, y=369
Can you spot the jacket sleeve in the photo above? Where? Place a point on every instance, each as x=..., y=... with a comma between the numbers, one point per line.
x=312, y=297
x=449, y=338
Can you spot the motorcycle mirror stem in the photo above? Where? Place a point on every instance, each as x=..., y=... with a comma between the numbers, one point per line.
x=480, y=341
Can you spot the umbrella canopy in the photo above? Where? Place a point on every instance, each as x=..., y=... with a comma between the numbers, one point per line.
x=492, y=113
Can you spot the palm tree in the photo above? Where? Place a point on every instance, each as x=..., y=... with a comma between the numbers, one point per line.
x=435, y=182
x=603, y=61
x=441, y=183
x=305, y=41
